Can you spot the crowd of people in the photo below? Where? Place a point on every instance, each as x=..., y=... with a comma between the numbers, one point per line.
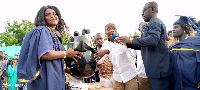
x=154, y=60
x=8, y=72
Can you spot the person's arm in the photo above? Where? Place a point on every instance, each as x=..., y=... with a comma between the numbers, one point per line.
x=98, y=56
x=110, y=49
x=133, y=47
x=61, y=54
x=53, y=55
x=116, y=48
x=9, y=70
x=14, y=64
x=153, y=35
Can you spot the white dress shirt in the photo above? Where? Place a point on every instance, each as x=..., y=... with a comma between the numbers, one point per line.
x=140, y=65
x=122, y=59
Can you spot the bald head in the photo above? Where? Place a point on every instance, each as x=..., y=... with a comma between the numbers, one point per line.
x=154, y=5
x=98, y=34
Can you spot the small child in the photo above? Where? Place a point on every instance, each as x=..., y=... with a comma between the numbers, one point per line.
x=124, y=73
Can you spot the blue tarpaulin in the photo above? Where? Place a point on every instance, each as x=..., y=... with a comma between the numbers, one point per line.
x=10, y=50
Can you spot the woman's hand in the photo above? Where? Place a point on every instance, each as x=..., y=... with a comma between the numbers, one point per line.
x=72, y=54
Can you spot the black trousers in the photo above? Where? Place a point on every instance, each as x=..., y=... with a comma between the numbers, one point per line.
x=159, y=83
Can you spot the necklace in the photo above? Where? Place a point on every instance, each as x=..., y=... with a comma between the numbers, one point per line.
x=187, y=37
x=52, y=31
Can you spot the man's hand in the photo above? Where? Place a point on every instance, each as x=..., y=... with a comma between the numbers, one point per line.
x=123, y=39
x=116, y=40
x=100, y=54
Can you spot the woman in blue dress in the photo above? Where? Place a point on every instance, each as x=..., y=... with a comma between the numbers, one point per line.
x=42, y=52
x=185, y=56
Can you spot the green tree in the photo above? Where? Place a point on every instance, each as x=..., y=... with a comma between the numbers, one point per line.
x=15, y=32
x=134, y=34
x=105, y=37
x=66, y=38
x=130, y=36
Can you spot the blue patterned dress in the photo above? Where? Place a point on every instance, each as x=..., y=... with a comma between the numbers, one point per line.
x=50, y=73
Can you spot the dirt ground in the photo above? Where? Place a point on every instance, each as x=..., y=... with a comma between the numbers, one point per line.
x=90, y=86
x=96, y=86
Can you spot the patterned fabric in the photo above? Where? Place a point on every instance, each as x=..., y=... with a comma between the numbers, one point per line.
x=106, y=68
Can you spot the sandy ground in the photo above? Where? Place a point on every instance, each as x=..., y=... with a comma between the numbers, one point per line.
x=96, y=86
x=90, y=86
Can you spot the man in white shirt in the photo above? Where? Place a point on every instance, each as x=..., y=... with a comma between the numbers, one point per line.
x=124, y=73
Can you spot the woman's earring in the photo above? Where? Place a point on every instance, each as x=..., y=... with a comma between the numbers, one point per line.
x=56, y=27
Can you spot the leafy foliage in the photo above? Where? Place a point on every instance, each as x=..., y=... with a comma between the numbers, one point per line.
x=15, y=32
x=66, y=38
x=105, y=37
x=134, y=35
